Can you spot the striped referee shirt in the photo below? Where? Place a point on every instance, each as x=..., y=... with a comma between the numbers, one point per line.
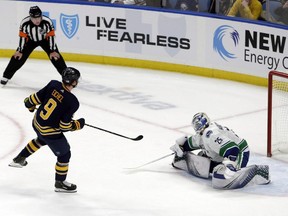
x=44, y=31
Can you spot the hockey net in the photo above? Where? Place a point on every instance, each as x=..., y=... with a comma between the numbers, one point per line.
x=277, y=128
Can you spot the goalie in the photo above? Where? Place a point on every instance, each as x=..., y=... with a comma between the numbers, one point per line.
x=223, y=154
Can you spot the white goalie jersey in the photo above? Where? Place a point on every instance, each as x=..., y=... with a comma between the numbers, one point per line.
x=223, y=154
x=220, y=145
x=218, y=142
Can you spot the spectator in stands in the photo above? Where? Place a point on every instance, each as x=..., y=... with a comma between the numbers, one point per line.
x=262, y=1
x=151, y=3
x=154, y=3
x=282, y=12
x=191, y=5
x=250, y=9
x=220, y=7
x=129, y=2
x=212, y=7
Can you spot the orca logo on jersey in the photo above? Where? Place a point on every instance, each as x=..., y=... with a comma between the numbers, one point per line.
x=69, y=24
x=225, y=38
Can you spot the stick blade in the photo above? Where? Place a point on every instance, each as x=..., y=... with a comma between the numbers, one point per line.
x=138, y=138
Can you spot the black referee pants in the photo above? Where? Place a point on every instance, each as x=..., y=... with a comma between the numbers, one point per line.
x=16, y=64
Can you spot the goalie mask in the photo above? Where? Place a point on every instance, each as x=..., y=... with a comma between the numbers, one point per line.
x=200, y=121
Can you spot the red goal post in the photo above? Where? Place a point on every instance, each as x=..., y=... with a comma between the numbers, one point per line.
x=277, y=119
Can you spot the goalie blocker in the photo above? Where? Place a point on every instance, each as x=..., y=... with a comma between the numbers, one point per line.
x=200, y=166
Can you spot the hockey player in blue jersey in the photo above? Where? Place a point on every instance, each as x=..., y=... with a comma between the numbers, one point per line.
x=57, y=106
x=223, y=155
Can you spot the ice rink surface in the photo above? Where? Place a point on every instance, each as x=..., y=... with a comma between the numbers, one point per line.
x=130, y=101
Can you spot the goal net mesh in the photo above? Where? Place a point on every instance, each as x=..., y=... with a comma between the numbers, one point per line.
x=279, y=113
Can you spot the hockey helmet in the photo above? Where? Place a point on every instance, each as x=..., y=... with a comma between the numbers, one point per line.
x=200, y=121
x=35, y=12
x=69, y=75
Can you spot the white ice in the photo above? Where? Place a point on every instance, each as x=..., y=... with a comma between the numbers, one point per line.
x=130, y=101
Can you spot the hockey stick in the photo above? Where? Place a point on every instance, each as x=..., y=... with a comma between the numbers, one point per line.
x=134, y=139
x=152, y=161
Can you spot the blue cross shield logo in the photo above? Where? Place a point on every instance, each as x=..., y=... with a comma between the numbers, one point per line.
x=69, y=24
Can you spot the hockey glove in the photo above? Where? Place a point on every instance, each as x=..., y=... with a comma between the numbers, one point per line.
x=177, y=149
x=31, y=107
x=78, y=124
x=227, y=168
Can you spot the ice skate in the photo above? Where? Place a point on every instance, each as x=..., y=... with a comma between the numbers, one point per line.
x=4, y=81
x=65, y=187
x=18, y=162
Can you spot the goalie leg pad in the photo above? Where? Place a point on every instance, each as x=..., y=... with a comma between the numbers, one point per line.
x=198, y=165
x=239, y=180
x=263, y=176
x=180, y=163
x=257, y=174
x=194, y=164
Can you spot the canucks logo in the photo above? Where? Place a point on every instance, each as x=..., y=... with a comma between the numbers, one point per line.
x=69, y=24
x=225, y=38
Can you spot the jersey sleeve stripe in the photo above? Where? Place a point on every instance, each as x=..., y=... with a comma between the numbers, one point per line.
x=190, y=143
x=34, y=99
x=228, y=148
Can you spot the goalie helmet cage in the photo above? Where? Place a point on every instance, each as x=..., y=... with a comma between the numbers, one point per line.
x=277, y=119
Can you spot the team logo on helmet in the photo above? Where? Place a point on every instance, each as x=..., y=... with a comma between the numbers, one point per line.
x=225, y=39
x=69, y=24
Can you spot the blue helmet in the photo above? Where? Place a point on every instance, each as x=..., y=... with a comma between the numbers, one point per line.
x=200, y=121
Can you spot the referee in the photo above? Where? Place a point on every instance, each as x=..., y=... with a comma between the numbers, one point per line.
x=35, y=30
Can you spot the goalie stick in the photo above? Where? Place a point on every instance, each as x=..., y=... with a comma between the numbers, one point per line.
x=151, y=161
x=134, y=139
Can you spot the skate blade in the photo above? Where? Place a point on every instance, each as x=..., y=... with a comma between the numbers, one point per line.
x=59, y=190
x=13, y=164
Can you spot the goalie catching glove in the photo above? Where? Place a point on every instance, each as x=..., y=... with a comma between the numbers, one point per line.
x=78, y=124
x=29, y=105
x=178, y=146
x=177, y=149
